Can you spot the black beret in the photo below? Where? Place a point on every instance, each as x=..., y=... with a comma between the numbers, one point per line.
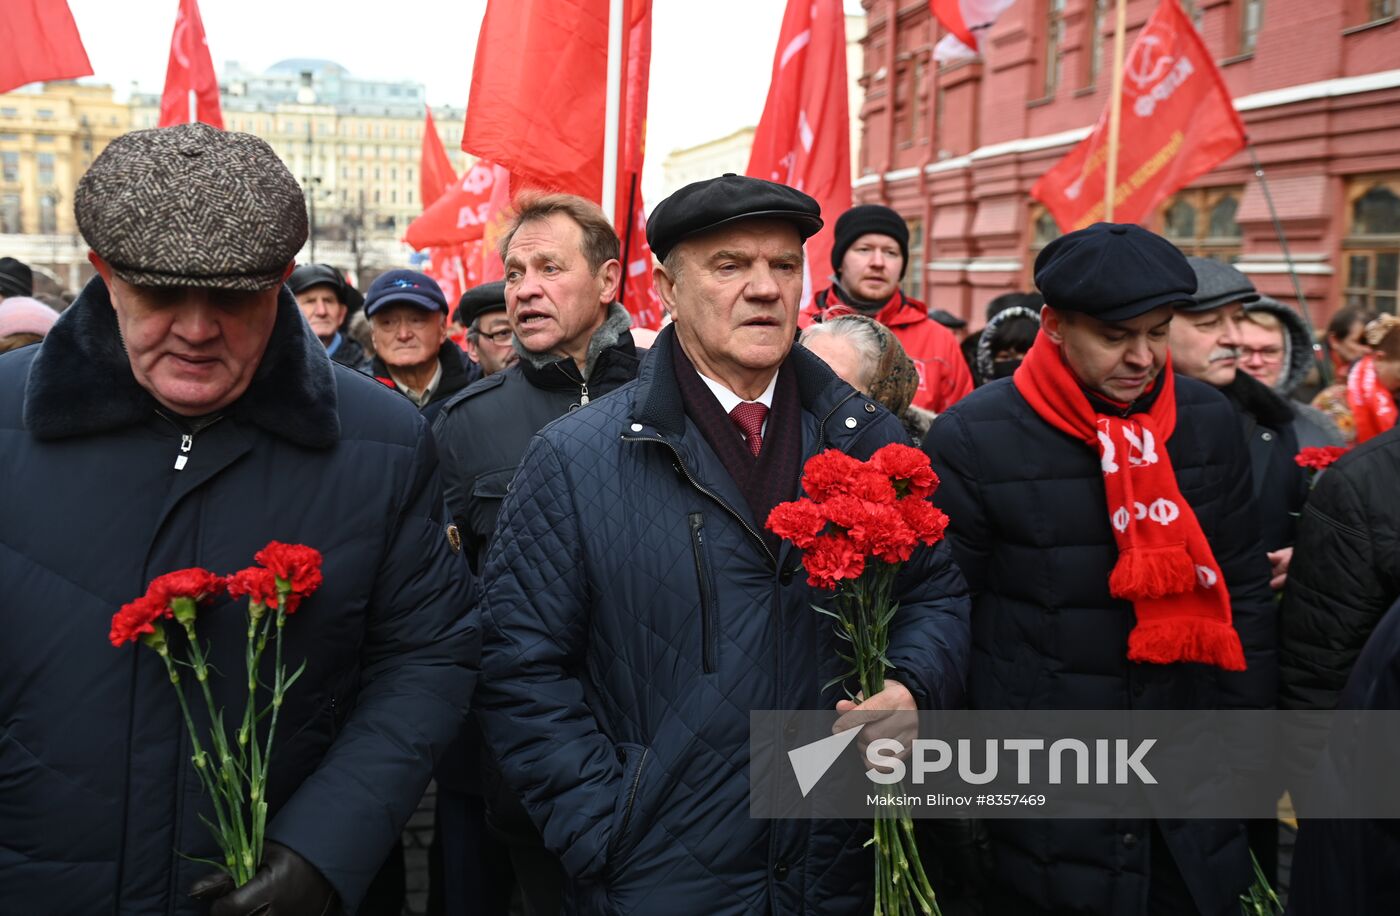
x=477, y=301
x=866, y=219
x=1217, y=284
x=716, y=202
x=16, y=278
x=947, y=319
x=309, y=275
x=1113, y=272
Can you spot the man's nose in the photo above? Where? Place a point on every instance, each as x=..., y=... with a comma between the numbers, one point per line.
x=196, y=322
x=1230, y=334
x=1138, y=353
x=763, y=284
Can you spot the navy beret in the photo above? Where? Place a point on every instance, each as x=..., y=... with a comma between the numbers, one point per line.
x=1217, y=284
x=1113, y=272
x=716, y=202
x=477, y=301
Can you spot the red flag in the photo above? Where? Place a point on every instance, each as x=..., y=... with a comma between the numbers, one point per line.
x=459, y=215
x=638, y=293
x=538, y=91
x=967, y=22
x=190, y=70
x=1177, y=123
x=498, y=214
x=41, y=43
x=804, y=138
x=446, y=267
x=436, y=176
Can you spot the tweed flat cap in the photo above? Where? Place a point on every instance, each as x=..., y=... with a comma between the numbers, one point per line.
x=716, y=202
x=1113, y=272
x=192, y=206
x=1217, y=284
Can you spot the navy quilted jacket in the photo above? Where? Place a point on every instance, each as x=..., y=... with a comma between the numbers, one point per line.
x=98, y=800
x=1030, y=527
x=632, y=618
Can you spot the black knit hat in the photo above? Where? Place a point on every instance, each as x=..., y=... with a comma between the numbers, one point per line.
x=864, y=219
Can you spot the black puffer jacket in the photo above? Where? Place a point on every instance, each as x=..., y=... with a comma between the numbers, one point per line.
x=1270, y=429
x=1345, y=572
x=1030, y=529
x=99, y=804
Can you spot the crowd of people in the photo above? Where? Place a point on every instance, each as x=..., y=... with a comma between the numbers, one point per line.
x=548, y=582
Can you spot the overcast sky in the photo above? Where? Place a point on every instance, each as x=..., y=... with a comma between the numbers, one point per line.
x=711, y=59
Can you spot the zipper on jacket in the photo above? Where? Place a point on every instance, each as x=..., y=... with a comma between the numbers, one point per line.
x=581, y=382
x=583, y=394
x=685, y=472
x=632, y=796
x=187, y=435
x=707, y=608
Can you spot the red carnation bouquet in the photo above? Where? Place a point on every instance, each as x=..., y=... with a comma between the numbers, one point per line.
x=234, y=773
x=859, y=522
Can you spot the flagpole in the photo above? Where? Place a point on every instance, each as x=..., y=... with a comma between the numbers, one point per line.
x=194, y=107
x=1115, y=111
x=612, y=109
x=1324, y=370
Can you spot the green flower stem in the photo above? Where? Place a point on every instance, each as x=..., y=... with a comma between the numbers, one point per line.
x=258, y=626
x=278, y=689
x=232, y=785
x=201, y=766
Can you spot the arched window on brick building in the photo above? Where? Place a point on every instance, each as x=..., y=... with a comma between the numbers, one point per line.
x=1043, y=231
x=1371, y=249
x=1201, y=222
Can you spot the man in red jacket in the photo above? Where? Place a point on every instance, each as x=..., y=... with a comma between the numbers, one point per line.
x=870, y=256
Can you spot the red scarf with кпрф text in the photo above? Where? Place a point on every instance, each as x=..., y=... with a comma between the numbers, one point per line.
x=1165, y=565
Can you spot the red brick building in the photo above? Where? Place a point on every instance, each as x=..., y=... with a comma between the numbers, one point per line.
x=956, y=148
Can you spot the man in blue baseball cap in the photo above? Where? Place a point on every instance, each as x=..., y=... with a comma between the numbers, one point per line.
x=407, y=314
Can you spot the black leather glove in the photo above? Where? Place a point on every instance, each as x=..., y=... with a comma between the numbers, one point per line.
x=285, y=884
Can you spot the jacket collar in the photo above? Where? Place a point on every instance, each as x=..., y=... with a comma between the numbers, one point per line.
x=658, y=399
x=81, y=383
x=897, y=311
x=612, y=340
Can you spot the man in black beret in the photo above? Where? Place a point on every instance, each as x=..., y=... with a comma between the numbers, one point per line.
x=182, y=414
x=1101, y=508
x=870, y=255
x=482, y=311
x=324, y=299
x=639, y=608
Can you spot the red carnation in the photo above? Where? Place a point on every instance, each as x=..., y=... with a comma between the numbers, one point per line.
x=831, y=559
x=295, y=564
x=137, y=618
x=257, y=583
x=799, y=521
x=827, y=474
x=1319, y=458
x=195, y=584
x=908, y=468
x=927, y=521
x=888, y=536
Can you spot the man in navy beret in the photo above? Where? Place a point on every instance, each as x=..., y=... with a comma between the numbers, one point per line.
x=639, y=609
x=1067, y=486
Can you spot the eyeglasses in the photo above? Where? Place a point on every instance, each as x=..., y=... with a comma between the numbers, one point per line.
x=1264, y=354
x=500, y=338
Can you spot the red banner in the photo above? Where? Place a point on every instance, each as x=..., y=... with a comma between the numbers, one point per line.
x=436, y=176
x=638, y=293
x=804, y=139
x=459, y=215
x=41, y=43
x=190, y=70
x=1177, y=123
x=537, y=92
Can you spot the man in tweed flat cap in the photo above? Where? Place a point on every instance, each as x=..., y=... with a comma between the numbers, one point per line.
x=181, y=413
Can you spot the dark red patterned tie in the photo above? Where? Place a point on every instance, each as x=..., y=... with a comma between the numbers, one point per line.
x=748, y=416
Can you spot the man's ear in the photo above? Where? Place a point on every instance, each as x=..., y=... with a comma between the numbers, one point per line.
x=665, y=288
x=611, y=274
x=104, y=270
x=291, y=266
x=1052, y=323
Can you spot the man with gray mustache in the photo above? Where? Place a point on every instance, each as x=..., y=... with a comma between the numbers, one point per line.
x=1205, y=341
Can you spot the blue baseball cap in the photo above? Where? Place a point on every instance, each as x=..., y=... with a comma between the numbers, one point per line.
x=407, y=287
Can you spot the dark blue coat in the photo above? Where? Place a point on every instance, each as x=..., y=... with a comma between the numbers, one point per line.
x=98, y=799
x=1030, y=529
x=632, y=618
